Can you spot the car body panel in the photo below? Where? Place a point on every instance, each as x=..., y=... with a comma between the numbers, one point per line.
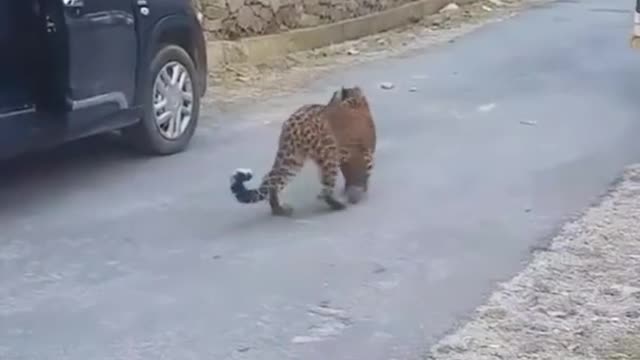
x=101, y=67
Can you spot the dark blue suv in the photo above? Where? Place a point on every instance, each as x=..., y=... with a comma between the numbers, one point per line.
x=73, y=68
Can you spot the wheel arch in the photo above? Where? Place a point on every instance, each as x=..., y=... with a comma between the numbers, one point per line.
x=174, y=30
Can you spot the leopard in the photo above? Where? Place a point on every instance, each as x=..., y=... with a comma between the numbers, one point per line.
x=339, y=136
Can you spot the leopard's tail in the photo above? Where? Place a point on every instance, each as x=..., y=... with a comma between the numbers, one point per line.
x=240, y=191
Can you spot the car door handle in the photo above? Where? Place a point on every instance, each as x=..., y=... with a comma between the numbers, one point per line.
x=74, y=4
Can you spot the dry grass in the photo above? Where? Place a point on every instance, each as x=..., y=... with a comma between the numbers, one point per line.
x=578, y=299
x=626, y=348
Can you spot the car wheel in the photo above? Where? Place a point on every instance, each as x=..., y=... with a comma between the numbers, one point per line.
x=171, y=104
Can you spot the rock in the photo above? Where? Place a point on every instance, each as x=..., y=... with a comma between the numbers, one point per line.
x=612, y=291
x=495, y=314
x=558, y=314
x=215, y=12
x=573, y=347
x=272, y=4
x=353, y=52
x=275, y=5
x=313, y=7
x=486, y=8
x=288, y=16
x=531, y=348
x=413, y=89
x=447, y=349
x=329, y=312
x=562, y=314
x=622, y=290
x=305, y=339
x=235, y=5
x=618, y=356
x=336, y=14
x=486, y=107
x=600, y=312
x=214, y=25
x=528, y=122
x=246, y=18
x=386, y=85
x=307, y=20
x=632, y=314
x=497, y=2
x=379, y=269
x=264, y=13
x=539, y=328
x=451, y=7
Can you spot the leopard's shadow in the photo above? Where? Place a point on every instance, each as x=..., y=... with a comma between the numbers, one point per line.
x=259, y=217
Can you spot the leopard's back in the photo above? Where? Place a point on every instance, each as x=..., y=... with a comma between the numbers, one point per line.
x=352, y=123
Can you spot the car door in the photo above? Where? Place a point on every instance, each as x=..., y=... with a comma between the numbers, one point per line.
x=102, y=53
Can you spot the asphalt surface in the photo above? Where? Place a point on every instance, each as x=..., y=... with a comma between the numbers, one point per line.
x=105, y=255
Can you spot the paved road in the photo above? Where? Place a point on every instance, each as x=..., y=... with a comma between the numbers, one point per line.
x=107, y=256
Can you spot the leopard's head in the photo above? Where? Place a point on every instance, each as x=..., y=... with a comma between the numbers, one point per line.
x=354, y=92
x=347, y=95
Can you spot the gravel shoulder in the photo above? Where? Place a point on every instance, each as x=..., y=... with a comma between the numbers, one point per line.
x=577, y=299
x=241, y=83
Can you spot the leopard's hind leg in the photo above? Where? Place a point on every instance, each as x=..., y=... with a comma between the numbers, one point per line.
x=327, y=158
x=286, y=167
x=369, y=163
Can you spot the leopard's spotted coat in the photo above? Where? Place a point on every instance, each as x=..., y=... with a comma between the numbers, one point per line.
x=338, y=136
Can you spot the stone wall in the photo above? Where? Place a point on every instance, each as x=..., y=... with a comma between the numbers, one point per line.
x=233, y=19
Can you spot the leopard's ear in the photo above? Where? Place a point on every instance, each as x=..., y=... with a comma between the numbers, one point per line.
x=356, y=92
x=336, y=97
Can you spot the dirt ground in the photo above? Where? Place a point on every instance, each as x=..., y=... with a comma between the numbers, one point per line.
x=577, y=299
x=241, y=82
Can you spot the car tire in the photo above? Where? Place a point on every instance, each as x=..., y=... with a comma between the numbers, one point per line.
x=148, y=135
